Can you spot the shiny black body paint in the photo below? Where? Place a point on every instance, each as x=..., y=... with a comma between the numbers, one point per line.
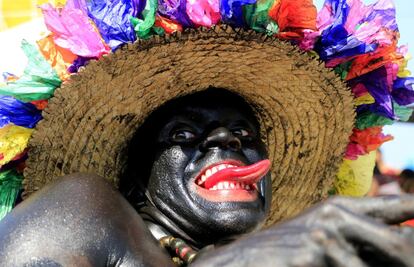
x=214, y=123
x=81, y=220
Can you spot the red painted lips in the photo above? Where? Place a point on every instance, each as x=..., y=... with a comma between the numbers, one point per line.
x=229, y=181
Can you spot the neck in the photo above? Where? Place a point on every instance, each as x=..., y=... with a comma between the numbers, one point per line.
x=160, y=226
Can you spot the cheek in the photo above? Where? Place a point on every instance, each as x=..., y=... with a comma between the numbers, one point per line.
x=254, y=153
x=168, y=170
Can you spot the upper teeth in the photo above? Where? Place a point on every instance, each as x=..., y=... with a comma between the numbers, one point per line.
x=213, y=170
x=223, y=184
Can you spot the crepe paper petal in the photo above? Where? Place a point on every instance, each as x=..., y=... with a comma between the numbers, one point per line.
x=354, y=177
x=349, y=28
x=10, y=186
x=364, y=100
x=383, y=56
x=403, y=113
x=28, y=90
x=175, y=10
x=293, y=17
x=384, y=13
x=9, y=77
x=143, y=25
x=336, y=44
x=73, y=30
x=77, y=4
x=345, y=12
x=232, y=11
x=343, y=69
x=39, y=80
x=381, y=39
x=17, y=163
x=40, y=104
x=18, y=112
x=403, y=92
x=78, y=63
x=112, y=18
x=13, y=141
x=38, y=68
x=59, y=58
x=370, y=139
x=403, y=70
x=385, y=110
x=309, y=39
x=367, y=119
x=167, y=25
x=256, y=15
x=158, y=31
x=378, y=85
x=203, y=12
x=353, y=151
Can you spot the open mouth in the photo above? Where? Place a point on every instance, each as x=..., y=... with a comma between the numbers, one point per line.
x=231, y=180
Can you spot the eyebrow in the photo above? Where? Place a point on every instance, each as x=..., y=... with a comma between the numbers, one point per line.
x=194, y=115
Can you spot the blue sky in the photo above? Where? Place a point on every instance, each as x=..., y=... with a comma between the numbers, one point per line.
x=399, y=153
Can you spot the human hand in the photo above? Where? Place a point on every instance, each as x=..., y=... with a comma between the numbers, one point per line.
x=336, y=233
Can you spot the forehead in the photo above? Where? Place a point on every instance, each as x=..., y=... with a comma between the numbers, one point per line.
x=199, y=113
x=208, y=106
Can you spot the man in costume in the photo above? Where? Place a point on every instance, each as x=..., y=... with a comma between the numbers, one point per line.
x=196, y=172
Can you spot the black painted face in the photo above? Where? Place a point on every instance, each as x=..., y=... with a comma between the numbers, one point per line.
x=209, y=173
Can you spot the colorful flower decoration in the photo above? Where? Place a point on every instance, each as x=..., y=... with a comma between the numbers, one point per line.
x=357, y=41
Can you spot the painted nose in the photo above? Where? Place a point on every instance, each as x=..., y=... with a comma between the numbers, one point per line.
x=221, y=138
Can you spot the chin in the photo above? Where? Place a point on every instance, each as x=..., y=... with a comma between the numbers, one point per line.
x=229, y=224
x=213, y=221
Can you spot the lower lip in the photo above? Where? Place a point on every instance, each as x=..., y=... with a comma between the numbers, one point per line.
x=223, y=195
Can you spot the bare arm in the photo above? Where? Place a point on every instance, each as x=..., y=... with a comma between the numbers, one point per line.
x=80, y=220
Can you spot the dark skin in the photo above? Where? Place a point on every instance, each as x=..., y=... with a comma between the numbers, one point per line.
x=195, y=137
x=80, y=220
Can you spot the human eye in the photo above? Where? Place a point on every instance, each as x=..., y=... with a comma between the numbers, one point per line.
x=182, y=135
x=241, y=132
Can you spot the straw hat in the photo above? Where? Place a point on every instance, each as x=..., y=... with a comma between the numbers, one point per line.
x=305, y=111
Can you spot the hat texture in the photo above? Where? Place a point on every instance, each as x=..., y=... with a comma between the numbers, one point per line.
x=304, y=109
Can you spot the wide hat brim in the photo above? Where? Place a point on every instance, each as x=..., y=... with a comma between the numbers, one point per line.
x=305, y=111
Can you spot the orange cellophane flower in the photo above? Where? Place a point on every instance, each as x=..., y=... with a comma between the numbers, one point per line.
x=40, y=104
x=372, y=61
x=168, y=25
x=293, y=17
x=59, y=58
x=370, y=139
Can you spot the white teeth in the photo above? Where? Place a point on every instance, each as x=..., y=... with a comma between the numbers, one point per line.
x=208, y=173
x=226, y=185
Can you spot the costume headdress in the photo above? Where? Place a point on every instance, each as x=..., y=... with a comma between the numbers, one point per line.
x=286, y=60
